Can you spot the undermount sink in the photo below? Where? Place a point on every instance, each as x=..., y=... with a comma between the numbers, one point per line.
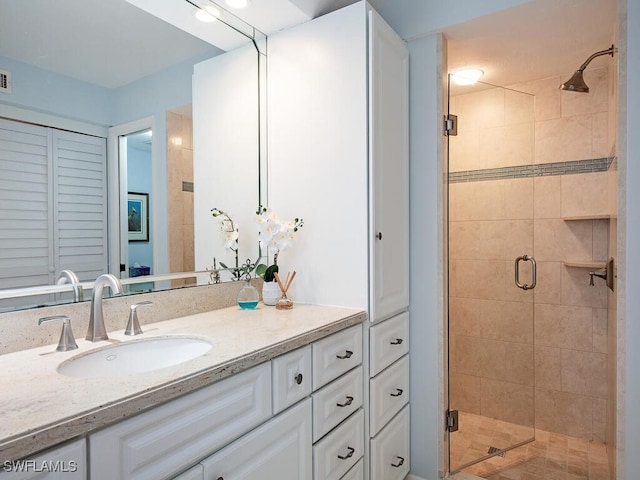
x=136, y=356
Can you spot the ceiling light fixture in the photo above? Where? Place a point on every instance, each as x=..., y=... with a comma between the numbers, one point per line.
x=238, y=3
x=468, y=76
x=207, y=14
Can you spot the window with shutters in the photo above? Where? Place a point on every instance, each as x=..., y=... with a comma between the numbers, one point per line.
x=53, y=205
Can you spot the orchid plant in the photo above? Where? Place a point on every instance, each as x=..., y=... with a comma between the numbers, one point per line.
x=230, y=233
x=276, y=235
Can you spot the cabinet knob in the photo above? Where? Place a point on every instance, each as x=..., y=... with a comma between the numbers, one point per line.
x=347, y=403
x=347, y=354
x=400, y=462
x=298, y=378
x=399, y=392
x=379, y=235
x=397, y=341
x=348, y=455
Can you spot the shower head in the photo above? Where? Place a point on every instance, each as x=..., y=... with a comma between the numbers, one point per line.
x=576, y=82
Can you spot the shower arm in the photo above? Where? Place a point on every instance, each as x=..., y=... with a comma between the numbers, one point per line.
x=609, y=51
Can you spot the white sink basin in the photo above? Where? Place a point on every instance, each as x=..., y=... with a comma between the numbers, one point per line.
x=136, y=356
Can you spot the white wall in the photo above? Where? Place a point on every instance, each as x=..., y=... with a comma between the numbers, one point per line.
x=630, y=311
x=318, y=164
x=412, y=18
x=45, y=91
x=425, y=59
x=225, y=154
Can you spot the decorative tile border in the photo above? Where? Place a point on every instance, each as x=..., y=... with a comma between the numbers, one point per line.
x=538, y=170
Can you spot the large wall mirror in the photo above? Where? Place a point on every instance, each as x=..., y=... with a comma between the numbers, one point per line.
x=122, y=125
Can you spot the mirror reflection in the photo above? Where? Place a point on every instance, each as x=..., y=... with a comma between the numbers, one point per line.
x=96, y=122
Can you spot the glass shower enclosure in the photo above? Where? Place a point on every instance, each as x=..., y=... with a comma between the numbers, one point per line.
x=492, y=272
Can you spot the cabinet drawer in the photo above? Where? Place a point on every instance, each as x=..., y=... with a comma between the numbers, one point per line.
x=70, y=460
x=388, y=341
x=389, y=393
x=390, y=449
x=195, y=473
x=335, y=355
x=279, y=449
x=335, y=402
x=336, y=453
x=163, y=441
x=291, y=378
x=356, y=473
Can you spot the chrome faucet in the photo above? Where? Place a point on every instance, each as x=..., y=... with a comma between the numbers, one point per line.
x=67, y=276
x=97, y=331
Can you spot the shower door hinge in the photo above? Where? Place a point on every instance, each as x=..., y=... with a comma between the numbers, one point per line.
x=451, y=125
x=452, y=420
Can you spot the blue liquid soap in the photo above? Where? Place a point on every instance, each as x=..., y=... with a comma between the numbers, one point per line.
x=248, y=305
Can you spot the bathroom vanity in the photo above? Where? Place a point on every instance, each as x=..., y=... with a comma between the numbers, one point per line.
x=279, y=392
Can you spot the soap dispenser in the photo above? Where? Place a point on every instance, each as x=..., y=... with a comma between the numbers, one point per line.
x=248, y=296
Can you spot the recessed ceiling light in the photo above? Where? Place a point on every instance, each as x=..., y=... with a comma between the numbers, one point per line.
x=238, y=3
x=468, y=76
x=207, y=14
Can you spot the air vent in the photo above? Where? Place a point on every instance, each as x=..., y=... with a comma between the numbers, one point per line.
x=5, y=81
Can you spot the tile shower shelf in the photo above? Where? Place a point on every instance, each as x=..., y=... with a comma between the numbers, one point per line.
x=579, y=264
x=604, y=216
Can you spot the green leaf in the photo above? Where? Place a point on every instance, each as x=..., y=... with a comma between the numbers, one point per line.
x=269, y=273
x=223, y=265
x=260, y=270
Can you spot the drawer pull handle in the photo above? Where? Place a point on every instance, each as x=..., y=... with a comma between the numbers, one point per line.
x=397, y=341
x=298, y=378
x=398, y=392
x=400, y=462
x=347, y=403
x=348, y=455
x=347, y=354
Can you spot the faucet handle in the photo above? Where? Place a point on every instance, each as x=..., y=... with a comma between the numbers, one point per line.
x=133, y=325
x=67, y=341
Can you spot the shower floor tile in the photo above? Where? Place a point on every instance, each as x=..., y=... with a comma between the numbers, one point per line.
x=551, y=456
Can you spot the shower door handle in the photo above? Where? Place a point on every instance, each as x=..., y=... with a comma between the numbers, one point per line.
x=526, y=258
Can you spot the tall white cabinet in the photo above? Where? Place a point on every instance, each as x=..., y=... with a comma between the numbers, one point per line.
x=338, y=157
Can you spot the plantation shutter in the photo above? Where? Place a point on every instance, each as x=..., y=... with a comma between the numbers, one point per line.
x=25, y=227
x=80, y=218
x=53, y=205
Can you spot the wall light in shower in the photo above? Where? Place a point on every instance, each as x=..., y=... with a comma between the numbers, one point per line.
x=468, y=76
x=576, y=82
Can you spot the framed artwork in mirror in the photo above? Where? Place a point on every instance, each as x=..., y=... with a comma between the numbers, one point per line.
x=138, y=216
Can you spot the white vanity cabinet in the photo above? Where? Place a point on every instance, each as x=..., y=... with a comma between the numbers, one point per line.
x=270, y=421
x=163, y=441
x=66, y=462
x=389, y=263
x=347, y=167
x=279, y=449
x=388, y=170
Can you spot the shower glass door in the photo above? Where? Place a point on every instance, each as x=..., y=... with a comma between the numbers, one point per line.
x=491, y=272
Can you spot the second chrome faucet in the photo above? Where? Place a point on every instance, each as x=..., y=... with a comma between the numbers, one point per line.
x=97, y=330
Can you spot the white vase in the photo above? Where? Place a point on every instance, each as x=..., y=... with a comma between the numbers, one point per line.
x=270, y=293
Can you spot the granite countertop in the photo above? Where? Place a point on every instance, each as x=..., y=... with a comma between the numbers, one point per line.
x=41, y=408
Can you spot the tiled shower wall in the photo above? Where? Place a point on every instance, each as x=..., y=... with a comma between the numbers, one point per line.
x=180, y=186
x=537, y=357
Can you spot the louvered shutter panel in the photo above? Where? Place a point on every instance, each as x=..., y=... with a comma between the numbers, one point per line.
x=80, y=193
x=25, y=242
x=53, y=208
